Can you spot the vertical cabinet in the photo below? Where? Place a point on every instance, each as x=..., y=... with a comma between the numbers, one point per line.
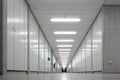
x=17, y=35
x=33, y=38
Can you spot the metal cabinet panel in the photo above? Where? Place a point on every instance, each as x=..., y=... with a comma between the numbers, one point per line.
x=10, y=35
x=96, y=45
x=83, y=56
x=33, y=44
x=80, y=60
x=17, y=28
x=17, y=40
x=41, y=52
x=46, y=57
x=20, y=34
x=89, y=51
x=49, y=62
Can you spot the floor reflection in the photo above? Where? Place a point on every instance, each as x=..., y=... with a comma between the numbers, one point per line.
x=59, y=76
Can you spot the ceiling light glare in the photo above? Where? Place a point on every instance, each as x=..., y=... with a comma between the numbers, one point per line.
x=99, y=33
x=64, y=49
x=65, y=19
x=65, y=40
x=64, y=45
x=14, y=20
x=95, y=46
x=65, y=32
x=34, y=46
x=97, y=41
x=34, y=41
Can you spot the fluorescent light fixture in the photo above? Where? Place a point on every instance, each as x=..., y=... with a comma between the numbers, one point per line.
x=64, y=49
x=64, y=45
x=64, y=52
x=65, y=32
x=65, y=40
x=65, y=19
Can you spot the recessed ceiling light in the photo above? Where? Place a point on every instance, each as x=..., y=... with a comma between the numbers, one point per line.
x=64, y=45
x=64, y=49
x=65, y=32
x=64, y=52
x=65, y=19
x=65, y=40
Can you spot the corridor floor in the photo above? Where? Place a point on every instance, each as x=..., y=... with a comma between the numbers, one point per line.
x=59, y=76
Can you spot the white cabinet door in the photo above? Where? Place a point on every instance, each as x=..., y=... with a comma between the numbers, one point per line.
x=42, y=52
x=96, y=45
x=17, y=28
x=33, y=28
x=10, y=35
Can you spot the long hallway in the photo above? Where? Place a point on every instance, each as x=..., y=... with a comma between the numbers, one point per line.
x=59, y=39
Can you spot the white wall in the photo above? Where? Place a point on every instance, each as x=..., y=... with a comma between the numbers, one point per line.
x=33, y=30
x=97, y=44
x=46, y=57
x=18, y=27
x=17, y=34
x=89, y=56
x=49, y=62
x=42, y=52
x=111, y=39
x=88, y=52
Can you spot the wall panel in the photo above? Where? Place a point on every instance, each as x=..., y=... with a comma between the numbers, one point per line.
x=88, y=51
x=89, y=55
x=96, y=45
x=33, y=29
x=17, y=28
x=41, y=52
x=19, y=24
x=10, y=35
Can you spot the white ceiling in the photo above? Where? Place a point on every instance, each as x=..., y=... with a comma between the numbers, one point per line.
x=46, y=9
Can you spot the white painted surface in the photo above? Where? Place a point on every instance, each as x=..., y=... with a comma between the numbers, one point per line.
x=33, y=28
x=17, y=40
x=17, y=28
x=97, y=44
x=89, y=55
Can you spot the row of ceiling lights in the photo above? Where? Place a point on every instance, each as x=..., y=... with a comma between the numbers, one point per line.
x=66, y=49
x=65, y=40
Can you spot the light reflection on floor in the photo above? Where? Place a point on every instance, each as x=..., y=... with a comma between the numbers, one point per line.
x=59, y=76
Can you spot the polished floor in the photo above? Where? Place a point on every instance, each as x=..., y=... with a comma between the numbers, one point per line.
x=59, y=76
